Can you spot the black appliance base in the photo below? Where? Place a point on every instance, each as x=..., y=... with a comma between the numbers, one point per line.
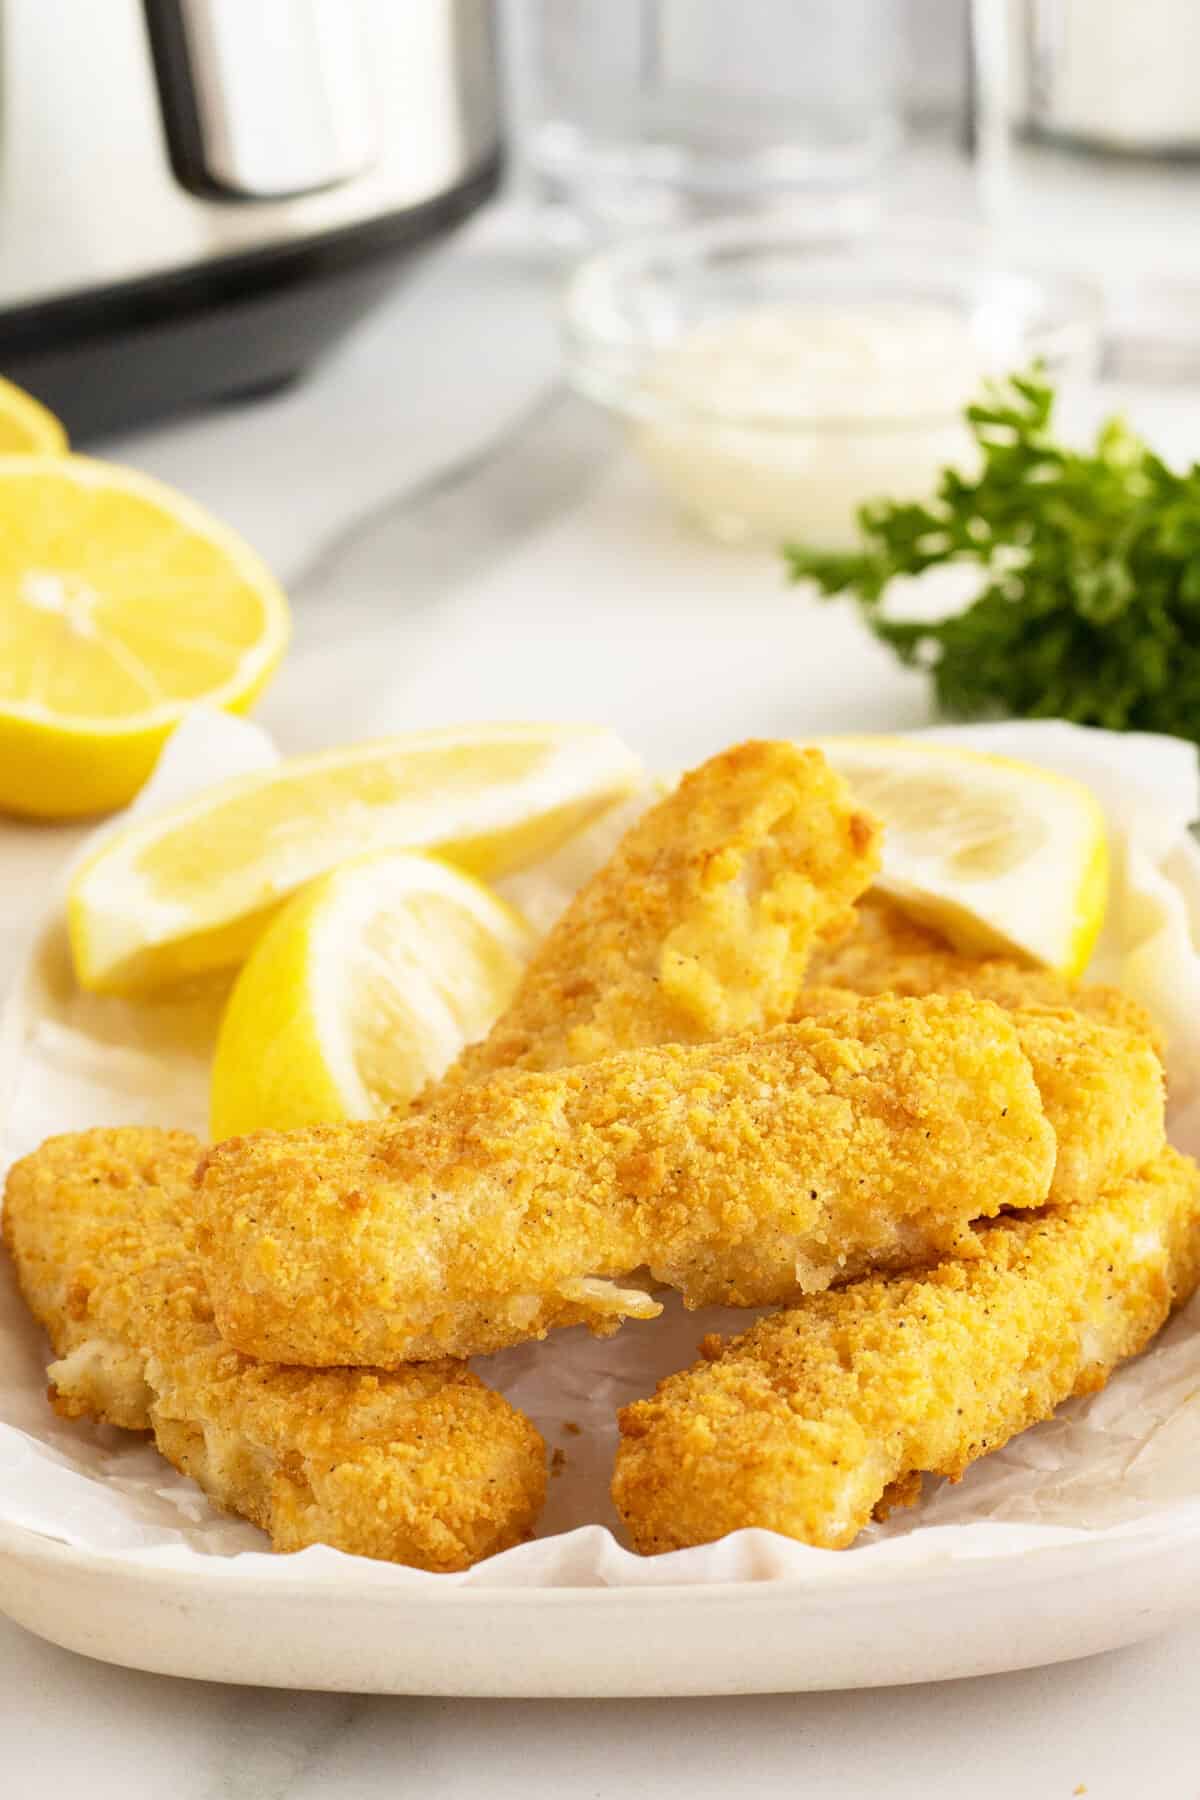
x=118, y=357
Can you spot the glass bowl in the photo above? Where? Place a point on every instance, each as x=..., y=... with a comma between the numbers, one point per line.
x=777, y=376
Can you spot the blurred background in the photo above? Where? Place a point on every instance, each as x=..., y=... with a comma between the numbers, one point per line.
x=218, y=191
x=499, y=329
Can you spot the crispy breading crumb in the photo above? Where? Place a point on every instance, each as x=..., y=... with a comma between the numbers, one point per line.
x=1101, y=1085
x=823, y=1414
x=700, y=925
x=889, y=953
x=425, y=1466
x=745, y=1171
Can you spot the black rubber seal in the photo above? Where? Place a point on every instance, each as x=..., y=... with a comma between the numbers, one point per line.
x=113, y=357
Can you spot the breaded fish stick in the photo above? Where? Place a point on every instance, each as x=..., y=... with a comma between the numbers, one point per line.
x=746, y=1171
x=426, y=1466
x=1101, y=1087
x=700, y=925
x=888, y=953
x=820, y=1416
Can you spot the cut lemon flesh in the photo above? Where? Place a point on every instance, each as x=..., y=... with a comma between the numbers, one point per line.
x=192, y=889
x=122, y=604
x=27, y=428
x=1002, y=857
x=365, y=987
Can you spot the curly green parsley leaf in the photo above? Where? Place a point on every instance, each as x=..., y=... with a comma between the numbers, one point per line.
x=1091, y=606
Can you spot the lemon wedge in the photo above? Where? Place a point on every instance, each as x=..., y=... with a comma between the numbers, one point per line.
x=1001, y=857
x=121, y=605
x=27, y=428
x=191, y=889
x=366, y=986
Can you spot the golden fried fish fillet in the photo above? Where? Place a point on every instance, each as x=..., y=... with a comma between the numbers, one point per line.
x=1101, y=1086
x=746, y=1171
x=425, y=1466
x=700, y=925
x=888, y=953
x=821, y=1415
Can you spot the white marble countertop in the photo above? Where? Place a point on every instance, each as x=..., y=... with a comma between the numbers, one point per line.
x=617, y=614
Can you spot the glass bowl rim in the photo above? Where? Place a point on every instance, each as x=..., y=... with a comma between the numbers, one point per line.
x=606, y=360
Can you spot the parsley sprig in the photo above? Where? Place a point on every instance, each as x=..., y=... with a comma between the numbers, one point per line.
x=1091, y=606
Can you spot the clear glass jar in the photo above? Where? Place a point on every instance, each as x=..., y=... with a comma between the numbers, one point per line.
x=640, y=113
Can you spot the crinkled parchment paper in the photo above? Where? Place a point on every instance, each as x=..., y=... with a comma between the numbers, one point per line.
x=1126, y=1462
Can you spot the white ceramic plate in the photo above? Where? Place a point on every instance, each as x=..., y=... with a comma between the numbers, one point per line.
x=1080, y=1537
x=291, y=1626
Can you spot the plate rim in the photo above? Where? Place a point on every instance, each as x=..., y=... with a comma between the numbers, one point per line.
x=277, y=1581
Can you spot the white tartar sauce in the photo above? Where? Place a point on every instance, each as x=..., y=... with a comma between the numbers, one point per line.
x=779, y=422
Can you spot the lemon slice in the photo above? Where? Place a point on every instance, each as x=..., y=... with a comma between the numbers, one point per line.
x=366, y=986
x=121, y=605
x=1002, y=857
x=192, y=888
x=27, y=428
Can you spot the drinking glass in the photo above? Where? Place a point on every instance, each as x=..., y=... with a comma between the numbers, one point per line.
x=642, y=113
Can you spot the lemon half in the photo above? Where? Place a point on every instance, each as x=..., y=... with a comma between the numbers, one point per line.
x=191, y=889
x=121, y=605
x=1002, y=857
x=27, y=428
x=365, y=987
